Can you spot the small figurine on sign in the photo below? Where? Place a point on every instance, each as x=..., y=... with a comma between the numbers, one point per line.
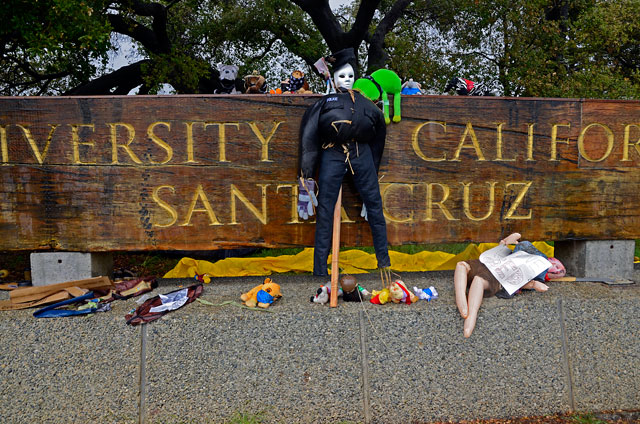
x=297, y=84
x=380, y=84
x=411, y=88
x=255, y=84
x=465, y=87
x=229, y=81
x=263, y=295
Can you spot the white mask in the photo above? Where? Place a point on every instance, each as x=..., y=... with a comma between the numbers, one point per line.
x=344, y=77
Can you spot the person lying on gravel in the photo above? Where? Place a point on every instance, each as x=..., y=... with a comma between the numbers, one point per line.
x=493, y=274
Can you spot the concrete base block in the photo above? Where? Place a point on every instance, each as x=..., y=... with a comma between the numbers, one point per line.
x=59, y=267
x=596, y=258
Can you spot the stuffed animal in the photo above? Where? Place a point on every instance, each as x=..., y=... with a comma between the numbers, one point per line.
x=229, y=80
x=297, y=84
x=411, y=88
x=380, y=297
x=322, y=294
x=426, y=294
x=465, y=87
x=263, y=295
x=398, y=293
x=385, y=82
x=351, y=290
x=255, y=84
x=193, y=273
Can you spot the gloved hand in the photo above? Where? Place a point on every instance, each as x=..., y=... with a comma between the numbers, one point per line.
x=364, y=212
x=306, y=197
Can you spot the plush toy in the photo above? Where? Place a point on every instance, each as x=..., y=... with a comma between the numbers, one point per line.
x=255, y=84
x=411, y=88
x=426, y=294
x=297, y=84
x=351, y=290
x=399, y=293
x=263, y=295
x=322, y=294
x=385, y=82
x=380, y=297
x=465, y=87
x=229, y=80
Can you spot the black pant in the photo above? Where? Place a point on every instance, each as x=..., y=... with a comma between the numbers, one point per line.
x=332, y=170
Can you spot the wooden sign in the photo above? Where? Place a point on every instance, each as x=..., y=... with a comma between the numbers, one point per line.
x=211, y=172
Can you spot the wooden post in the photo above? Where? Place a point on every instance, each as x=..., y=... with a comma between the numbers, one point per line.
x=335, y=252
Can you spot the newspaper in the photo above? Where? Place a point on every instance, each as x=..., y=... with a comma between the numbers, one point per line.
x=513, y=270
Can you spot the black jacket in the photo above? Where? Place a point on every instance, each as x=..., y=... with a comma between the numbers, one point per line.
x=340, y=118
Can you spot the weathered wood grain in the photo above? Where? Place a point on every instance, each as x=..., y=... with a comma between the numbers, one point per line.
x=210, y=172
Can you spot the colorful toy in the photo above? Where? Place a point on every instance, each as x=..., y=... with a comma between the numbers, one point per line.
x=380, y=297
x=202, y=278
x=263, y=295
x=426, y=294
x=398, y=293
x=411, y=88
x=465, y=87
x=385, y=82
x=297, y=84
x=351, y=290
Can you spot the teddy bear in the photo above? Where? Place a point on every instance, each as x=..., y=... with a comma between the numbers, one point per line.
x=398, y=293
x=229, y=81
x=263, y=295
x=297, y=84
x=255, y=83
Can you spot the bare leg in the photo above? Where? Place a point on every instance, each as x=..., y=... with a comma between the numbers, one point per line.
x=478, y=286
x=460, y=286
x=511, y=239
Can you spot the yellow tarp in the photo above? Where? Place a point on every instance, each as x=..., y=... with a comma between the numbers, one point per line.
x=351, y=262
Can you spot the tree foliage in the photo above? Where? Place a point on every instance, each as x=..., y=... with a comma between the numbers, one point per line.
x=557, y=48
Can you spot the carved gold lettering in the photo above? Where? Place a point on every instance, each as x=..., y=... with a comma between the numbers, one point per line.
x=467, y=201
x=40, y=156
x=264, y=156
x=385, y=189
x=200, y=194
x=499, y=144
x=518, y=200
x=468, y=131
x=4, y=150
x=440, y=204
x=190, y=153
x=235, y=193
x=294, y=201
x=222, y=136
x=416, y=145
x=627, y=137
x=581, y=149
x=555, y=140
x=159, y=141
x=75, y=142
x=114, y=142
x=530, y=142
x=164, y=205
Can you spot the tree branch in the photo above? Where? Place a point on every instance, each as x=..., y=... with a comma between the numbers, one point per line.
x=120, y=81
x=377, y=56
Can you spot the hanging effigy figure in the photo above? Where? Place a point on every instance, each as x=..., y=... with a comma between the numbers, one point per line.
x=343, y=132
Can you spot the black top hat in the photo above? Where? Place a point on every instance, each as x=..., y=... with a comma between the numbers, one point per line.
x=343, y=57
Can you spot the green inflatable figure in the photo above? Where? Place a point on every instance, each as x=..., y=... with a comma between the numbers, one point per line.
x=381, y=83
